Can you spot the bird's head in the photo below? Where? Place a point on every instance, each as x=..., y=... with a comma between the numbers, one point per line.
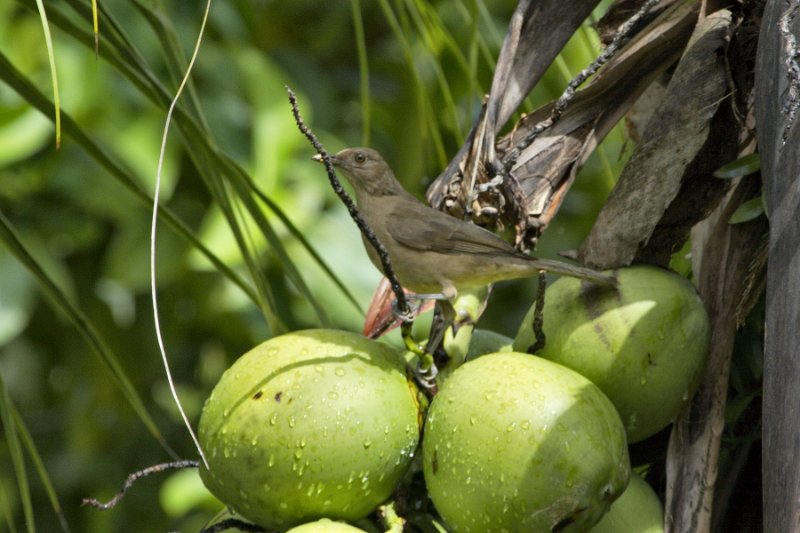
x=366, y=171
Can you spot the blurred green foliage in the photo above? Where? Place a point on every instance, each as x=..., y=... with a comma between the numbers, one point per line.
x=411, y=89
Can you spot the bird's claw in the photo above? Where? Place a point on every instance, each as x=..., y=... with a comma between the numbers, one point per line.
x=409, y=314
x=426, y=377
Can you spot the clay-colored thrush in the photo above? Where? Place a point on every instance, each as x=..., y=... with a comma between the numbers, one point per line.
x=432, y=252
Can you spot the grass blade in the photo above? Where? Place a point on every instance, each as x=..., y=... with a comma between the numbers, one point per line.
x=53, y=74
x=15, y=451
x=27, y=440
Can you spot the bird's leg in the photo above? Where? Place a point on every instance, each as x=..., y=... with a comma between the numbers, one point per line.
x=427, y=371
x=407, y=319
x=430, y=296
x=443, y=319
x=538, y=316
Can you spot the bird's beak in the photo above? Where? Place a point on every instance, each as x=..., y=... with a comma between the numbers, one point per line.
x=318, y=159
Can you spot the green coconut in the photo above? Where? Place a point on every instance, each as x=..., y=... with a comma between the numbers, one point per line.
x=325, y=526
x=514, y=442
x=307, y=425
x=487, y=341
x=638, y=510
x=644, y=344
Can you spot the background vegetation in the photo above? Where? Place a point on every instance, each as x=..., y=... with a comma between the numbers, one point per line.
x=403, y=76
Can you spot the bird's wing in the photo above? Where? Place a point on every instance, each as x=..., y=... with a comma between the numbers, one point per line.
x=423, y=228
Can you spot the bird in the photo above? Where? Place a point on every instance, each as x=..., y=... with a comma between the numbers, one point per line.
x=432, y=253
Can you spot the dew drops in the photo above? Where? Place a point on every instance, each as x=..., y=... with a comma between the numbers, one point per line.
x=273, y=419
x=367, y=443
x=339, y=371
x=292, y=421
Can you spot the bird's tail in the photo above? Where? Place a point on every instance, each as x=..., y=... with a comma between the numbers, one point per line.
x=565, y=269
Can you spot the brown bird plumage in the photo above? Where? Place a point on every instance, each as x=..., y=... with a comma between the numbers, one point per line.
x=430, y=251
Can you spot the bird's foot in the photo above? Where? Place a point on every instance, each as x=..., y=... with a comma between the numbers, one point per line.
x=408, y=316
x=425, y=375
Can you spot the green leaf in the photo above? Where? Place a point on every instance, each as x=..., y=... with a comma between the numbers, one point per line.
x=15, y=451
x=38, y=464
x=749, y=210
x=741, y=167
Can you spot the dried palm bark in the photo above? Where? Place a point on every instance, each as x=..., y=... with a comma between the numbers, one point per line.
x=777, y=104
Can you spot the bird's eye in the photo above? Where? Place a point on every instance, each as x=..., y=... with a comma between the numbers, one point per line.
x=360, y=157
